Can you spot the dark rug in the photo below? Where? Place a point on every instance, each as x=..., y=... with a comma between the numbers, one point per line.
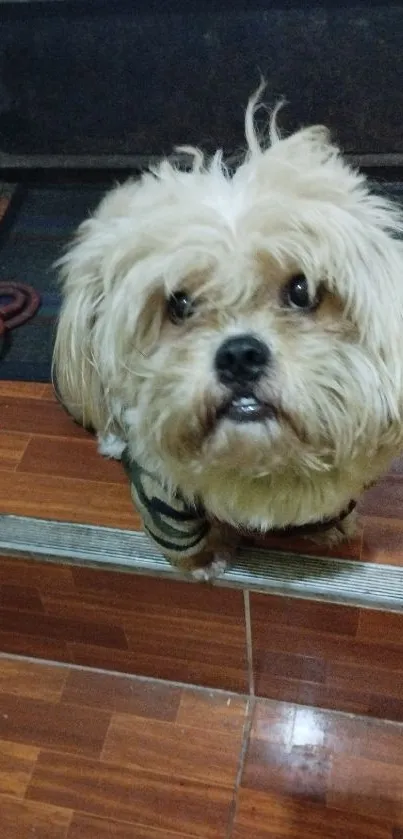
x=39, y=222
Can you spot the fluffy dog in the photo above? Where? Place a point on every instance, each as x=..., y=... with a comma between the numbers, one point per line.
x=238, y=336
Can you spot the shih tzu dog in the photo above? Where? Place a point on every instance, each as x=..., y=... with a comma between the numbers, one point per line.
x=237, y=339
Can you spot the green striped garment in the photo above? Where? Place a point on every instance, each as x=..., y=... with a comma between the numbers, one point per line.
x=178, y=529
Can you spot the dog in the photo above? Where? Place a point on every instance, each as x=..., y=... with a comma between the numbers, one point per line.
x=236, y=337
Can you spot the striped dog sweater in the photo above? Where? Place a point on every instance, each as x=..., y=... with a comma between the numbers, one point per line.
x=178, y=528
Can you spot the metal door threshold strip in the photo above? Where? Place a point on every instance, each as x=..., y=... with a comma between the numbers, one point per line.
x=326, y=579
x=139, y=162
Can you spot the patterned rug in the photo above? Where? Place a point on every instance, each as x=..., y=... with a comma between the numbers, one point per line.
x=35, y=224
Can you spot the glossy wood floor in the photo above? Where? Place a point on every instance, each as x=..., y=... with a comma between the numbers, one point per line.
x=49, y=467
x=85, y=755
x=327, y=655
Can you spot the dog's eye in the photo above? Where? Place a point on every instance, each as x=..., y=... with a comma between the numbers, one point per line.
x=180, y=306
x=296, y=294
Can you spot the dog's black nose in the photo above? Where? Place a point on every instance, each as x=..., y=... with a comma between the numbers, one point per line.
x=241, y=359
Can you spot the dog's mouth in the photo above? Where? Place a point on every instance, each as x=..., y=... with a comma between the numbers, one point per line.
x=246, y=407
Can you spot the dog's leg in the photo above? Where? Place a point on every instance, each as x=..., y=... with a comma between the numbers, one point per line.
x=213, y=560
x=341, y=532
x=111, y=445
x=215, y=568
x=181, y=531
x=206, y=565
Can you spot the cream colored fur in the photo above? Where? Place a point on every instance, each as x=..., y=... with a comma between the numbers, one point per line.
x=233, y=241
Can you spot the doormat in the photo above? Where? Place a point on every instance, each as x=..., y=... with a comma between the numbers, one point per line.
x=36, y=223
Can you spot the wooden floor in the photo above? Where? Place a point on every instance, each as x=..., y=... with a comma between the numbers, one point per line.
x=85, y=755
x=319, y=654
x=49, y=468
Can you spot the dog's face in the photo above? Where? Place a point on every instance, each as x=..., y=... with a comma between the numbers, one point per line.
x=248, y=325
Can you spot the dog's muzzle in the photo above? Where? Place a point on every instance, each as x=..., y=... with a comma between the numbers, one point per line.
x=239, y=363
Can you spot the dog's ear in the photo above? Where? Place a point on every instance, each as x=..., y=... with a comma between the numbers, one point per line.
x=75, y=373
x=313, y=146
x=309, y=164
x=304, y=150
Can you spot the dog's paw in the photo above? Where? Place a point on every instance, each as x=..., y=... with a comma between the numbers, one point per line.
x=215, y=569
x=344, y=531
x=110, y=445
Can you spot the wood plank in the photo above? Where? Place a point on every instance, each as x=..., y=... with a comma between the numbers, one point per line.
x=92, y=827
x=20, y=597
x=22, y=390
x=29, y=819
x=35, y=646
x=17, y=761
x=31, y=680
x=367, y=788
x=386, y=708
x=269, y=816
x=304, y=614
x=365, y=679
x=310, y=693
x=12, y=448
x=189, y=752
x=67, y=728
x=105, y=633
x=374, y=625
x=333, y=648
x=69, y=458
x=141, y=661
x=383, y=540
x=175, y=630
x=37, y=416
x=146, y=699
x=273, y=722
x=361, y=737
x=132, y=795
x=212, y=711
x=49, y=393
x=385, y=499
x=297, y=772
x=68, y=499
x=289, y=666
x=46, y=577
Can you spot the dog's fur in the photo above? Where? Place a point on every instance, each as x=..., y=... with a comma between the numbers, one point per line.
x=233, y=241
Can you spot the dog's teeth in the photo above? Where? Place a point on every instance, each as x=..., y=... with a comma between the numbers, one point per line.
x=246, y=405
x=248, y=408
x=245, y=402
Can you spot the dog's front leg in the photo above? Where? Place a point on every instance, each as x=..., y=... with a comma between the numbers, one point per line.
x=179, y=529
x=210, y=561
x=343, y=531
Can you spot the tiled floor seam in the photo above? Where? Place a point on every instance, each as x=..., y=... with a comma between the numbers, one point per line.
x=242, y=757
x=249, y=642
x=102, y=671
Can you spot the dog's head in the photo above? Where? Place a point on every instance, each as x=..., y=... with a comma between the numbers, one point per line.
x=247, y=323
